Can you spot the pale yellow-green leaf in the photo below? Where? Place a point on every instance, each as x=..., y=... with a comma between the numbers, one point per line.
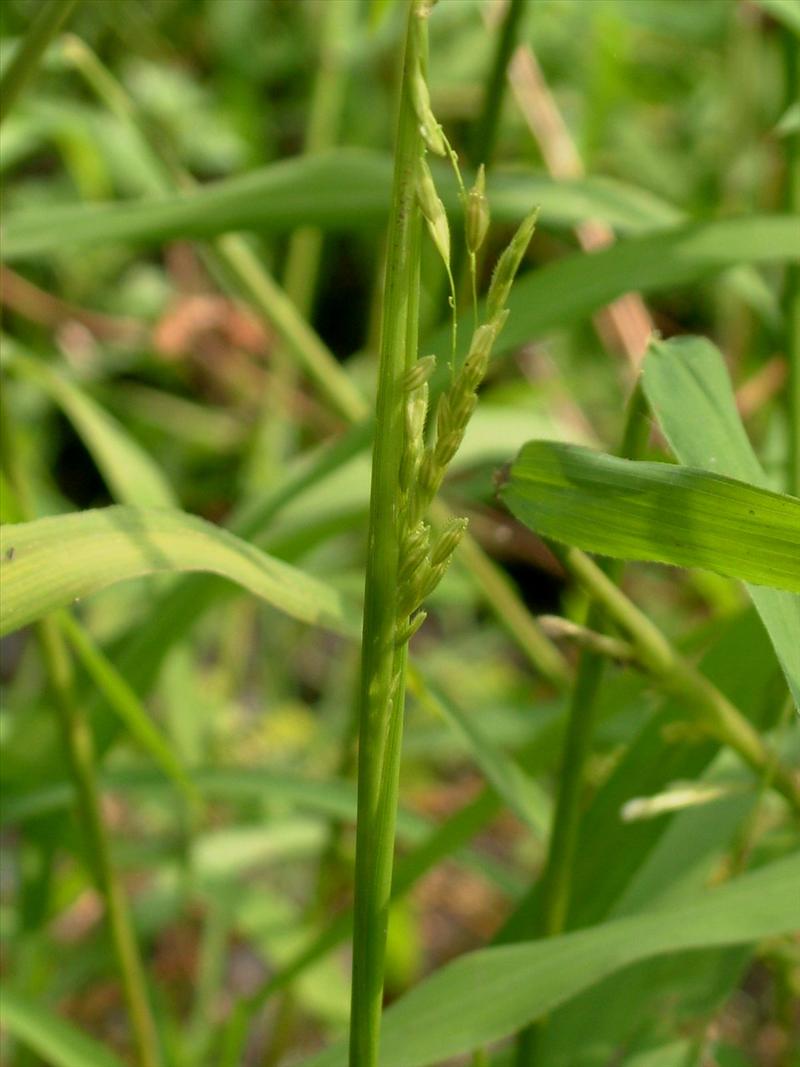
x=51, y=562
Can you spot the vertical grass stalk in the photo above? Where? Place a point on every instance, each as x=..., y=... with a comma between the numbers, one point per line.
x=560, y=860
x=381, y=696
x=229, y=255
x=301, y=269
x=80, y=750
x=485, y=138
x=20, y=70
x=79, y=746
x=404, y=563
x=792, y=291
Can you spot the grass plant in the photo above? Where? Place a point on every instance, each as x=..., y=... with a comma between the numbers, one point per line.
x=392, y=674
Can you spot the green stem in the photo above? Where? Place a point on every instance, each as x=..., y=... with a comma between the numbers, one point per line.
x=20, y=70
x=381, y=695
x=324, y=120
x=79, y=746
x=80, y=750
x=557, y=878
x=792, y=291
x=300, y=339
x=677, y=677
x=559, y=864
x=275, y=429
x=445, y=840
x=485, y=139
x=199, y=1027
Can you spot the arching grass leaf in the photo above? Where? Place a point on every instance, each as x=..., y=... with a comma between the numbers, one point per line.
x=487, y=995
x=52, y=562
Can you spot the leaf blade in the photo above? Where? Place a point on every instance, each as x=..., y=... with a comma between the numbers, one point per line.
x=657, y=512
x=689, y=391
x=489, y=994
x=339, y=189
x=61, y=1044
x=49, y=563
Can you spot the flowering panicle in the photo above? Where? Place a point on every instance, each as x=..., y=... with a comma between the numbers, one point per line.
x=431, y=440
x=423, y=559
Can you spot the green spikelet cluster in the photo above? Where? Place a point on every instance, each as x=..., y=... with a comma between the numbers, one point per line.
x=432, y=440
x=425, y=558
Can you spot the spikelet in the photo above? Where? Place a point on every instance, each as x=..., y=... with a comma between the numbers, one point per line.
x=414, y=549
x=433, y=212
x=476, y=364
x=476, y=213
x=429, y=478
x=416, y=410
x=448, y=541
x=508, y=264
x=420, y=373
x=406, y=632
x=428, y=126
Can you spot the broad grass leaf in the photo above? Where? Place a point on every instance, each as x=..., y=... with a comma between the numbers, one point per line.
x=132, y=478
x=489, y=994
x=51, y=562
x=689, y=391
x=656, y=511
x=58, y=1042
